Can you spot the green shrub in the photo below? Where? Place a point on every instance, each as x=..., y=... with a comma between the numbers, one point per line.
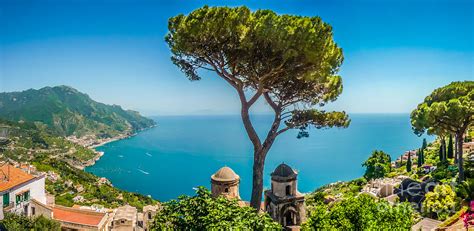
x=360, y=213
x=441, y=202
x=22, y=223
x=202, y=212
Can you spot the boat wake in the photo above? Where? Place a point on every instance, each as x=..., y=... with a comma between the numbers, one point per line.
x=146, y=173
x=148, y=154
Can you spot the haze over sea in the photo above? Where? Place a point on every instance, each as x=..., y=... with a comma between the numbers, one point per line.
x=182, y=152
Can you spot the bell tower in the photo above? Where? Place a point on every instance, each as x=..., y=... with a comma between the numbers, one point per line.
x=283, y=201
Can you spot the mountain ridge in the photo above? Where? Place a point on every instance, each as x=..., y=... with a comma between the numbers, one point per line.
x=67, y=111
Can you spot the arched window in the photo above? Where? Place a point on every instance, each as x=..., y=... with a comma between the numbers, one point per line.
x=288, y=190
x=149, y=215
x=226, y=190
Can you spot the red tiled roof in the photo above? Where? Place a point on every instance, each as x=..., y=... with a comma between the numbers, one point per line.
x=11, y=177
x=77, y=216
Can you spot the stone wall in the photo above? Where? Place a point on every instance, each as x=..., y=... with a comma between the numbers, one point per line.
x=227, y=189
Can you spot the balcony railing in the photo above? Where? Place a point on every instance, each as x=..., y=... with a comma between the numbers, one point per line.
x=8, y=207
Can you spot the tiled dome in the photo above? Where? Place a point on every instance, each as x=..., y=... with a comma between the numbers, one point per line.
x=225, y=174
x=283, y=171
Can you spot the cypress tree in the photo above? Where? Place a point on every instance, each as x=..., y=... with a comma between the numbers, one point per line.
x=409, y=162
x=443, y=148
x=424, y=144
x=450, y=147
x=420, y=158
x=441, y=153
x=423, y=154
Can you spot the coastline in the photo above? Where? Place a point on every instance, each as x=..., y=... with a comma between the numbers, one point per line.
x=95, y=143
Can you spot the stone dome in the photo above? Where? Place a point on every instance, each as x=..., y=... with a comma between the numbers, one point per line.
x=225, y=174
x=283, y=172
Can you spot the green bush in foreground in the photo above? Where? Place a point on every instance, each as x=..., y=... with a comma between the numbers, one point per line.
x=202, y=212
x=22, y=223
x=360, y=213
x=440, y=203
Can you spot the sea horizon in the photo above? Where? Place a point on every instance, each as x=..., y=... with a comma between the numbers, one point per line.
x=262, y=114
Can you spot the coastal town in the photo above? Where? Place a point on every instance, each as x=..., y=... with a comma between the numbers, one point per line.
x=91, y=142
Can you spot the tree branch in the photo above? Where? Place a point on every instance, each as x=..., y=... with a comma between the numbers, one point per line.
x=257, y=94
x=290, y=127
x=272, y=104
x=272, y=133
x=252, y=134
x=254, y=98
x=223, y=74
x=284, y=130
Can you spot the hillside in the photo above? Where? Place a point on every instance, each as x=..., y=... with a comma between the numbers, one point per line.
x=66, y=111
x=56, y=156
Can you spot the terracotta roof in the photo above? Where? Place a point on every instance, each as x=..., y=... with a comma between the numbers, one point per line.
x=77, y=216
x=11, y=177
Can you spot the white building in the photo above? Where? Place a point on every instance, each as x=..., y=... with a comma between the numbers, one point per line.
x=17, y=188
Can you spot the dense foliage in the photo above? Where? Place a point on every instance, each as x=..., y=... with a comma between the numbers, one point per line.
x=465, y=190
x=469, y=167
x=336, y=191
x=378, y=165
x=13, y=222
x=202, y=212
x=290, y=61
x=444, y=172
x=360, y=213
x=447, y=110
x=67, y=111
x=440, y=203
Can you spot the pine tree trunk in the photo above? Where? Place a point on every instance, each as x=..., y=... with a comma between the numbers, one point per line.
x=456, y=157
x=257, y=179
x=459, y=142
x=260, y=150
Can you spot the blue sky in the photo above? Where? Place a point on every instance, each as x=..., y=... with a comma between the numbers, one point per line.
x=396, y=52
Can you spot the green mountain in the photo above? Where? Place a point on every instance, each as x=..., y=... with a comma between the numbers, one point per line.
x=66, y=111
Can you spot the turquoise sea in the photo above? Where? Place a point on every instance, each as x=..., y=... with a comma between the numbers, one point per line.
x=182, y=152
